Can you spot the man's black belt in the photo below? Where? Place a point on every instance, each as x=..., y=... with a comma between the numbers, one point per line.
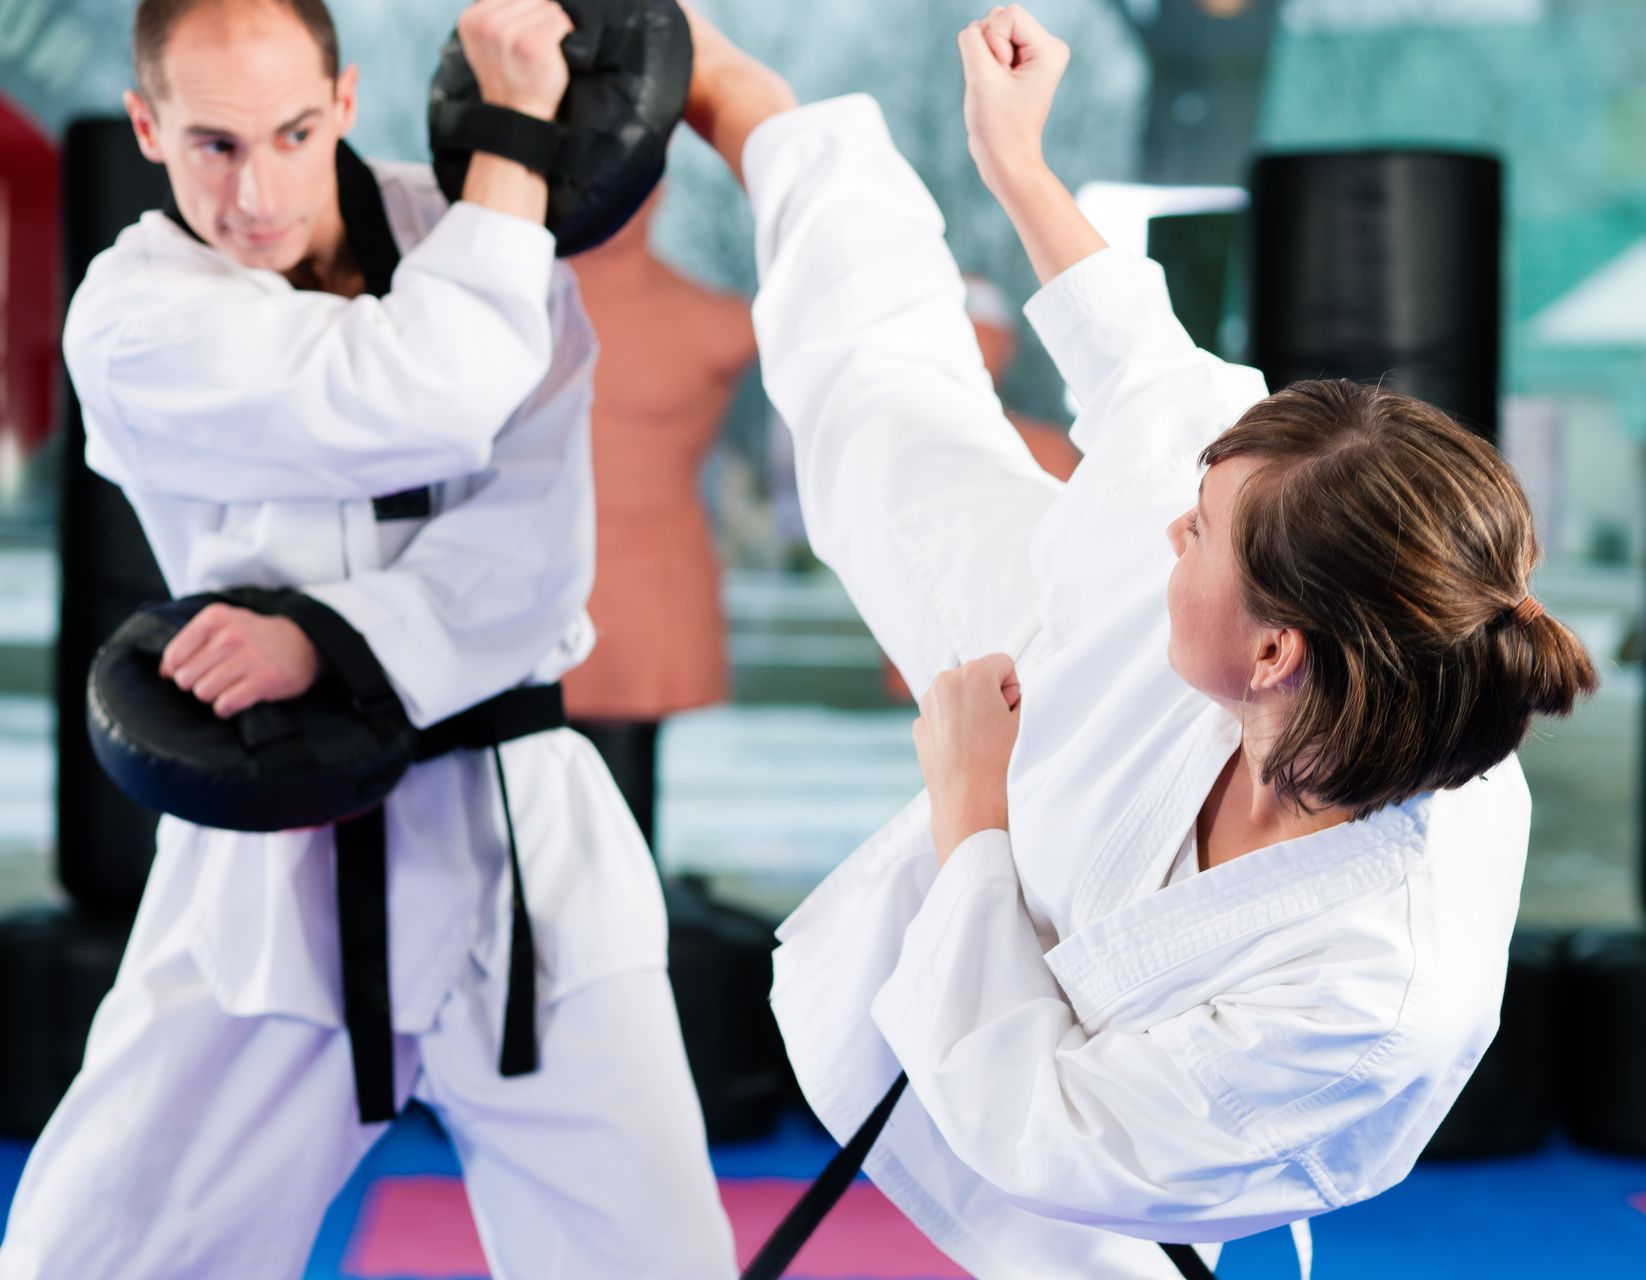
x=363, y=912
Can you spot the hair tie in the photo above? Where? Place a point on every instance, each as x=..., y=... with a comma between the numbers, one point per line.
x=1528, y=611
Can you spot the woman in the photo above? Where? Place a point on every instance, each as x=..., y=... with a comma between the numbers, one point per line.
x=1203, y=923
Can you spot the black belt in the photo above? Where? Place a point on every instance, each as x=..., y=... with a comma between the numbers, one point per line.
x=808, y=1212
x=363, y=910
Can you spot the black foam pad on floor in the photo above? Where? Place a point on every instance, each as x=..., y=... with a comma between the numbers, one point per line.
x=56, y=965
x=1509, y=1104
x=720, y=963
x=1603, y=1077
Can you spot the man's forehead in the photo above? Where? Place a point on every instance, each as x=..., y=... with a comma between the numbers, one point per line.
x=251, y=75
x=243, y=40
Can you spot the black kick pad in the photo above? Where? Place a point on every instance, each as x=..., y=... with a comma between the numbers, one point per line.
x=631, y=65
x=337, y=750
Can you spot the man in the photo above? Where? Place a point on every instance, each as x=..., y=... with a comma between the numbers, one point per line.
x=408, y=445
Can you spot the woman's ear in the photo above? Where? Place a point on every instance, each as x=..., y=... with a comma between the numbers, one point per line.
x=1280, y=659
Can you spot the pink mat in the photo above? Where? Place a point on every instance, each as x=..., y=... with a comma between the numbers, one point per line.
x=1639, y=1201
x=420, y=1229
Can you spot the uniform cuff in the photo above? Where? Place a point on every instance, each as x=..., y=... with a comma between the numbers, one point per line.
x=979, y=858
x=1093, y=313
x=475, y=231
x=855, y=113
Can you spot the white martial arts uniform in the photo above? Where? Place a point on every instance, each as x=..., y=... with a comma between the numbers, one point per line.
x=251, y=424
x=1095, y=1060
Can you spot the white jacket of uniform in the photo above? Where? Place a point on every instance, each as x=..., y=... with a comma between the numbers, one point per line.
x=1089, y=1052
x=251, y=424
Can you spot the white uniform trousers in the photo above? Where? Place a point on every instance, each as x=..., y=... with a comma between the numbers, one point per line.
x=196, y=1145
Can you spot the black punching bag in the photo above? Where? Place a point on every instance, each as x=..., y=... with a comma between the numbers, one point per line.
x=1604, y=1045
x=105, y=842
x=1381, y=264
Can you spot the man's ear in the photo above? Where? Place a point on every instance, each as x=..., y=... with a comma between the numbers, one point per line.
x=1280, y=660
x=145, y=125
x=345, y=100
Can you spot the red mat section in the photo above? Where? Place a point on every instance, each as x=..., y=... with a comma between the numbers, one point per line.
x=419, y=1228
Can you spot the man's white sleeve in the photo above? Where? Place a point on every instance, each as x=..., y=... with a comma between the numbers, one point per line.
x=203, y=380
x=914, y=487
x=492, y=590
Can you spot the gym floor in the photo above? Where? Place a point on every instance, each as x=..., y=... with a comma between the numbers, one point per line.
x=1559, y=1214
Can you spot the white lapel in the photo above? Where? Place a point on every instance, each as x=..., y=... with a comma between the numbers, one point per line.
x=1252, y=897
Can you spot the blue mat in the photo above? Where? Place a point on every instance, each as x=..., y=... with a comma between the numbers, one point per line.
x=1561, y=1213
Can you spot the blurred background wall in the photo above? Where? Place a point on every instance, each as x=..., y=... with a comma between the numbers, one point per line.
x=767, y=792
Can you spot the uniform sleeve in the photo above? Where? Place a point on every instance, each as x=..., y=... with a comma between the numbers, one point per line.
x=914, y=488
x=1147, y=394
x=204, y=381
x=492, y=590
x=1135, y=1131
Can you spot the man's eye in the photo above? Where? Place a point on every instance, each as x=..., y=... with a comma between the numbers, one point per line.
x=297, y=137
x=218, y=148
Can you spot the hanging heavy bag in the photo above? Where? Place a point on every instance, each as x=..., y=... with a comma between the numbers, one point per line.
x=631, y=65
x=336, y=751
x=1604, y=1042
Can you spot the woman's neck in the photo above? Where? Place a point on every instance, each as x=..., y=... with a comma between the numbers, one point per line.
x=1243, y=812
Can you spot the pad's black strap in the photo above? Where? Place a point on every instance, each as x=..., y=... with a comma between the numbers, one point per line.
x=363, y=934
x=802, y=1221
x=481, y=126
x=541, y=145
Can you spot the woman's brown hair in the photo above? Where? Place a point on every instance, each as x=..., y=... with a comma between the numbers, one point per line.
x=1399, y=544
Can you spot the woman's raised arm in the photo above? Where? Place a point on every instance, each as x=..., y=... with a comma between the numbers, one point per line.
x=1013, y=66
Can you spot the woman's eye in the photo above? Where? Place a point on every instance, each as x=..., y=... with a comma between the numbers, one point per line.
x=1192, y=524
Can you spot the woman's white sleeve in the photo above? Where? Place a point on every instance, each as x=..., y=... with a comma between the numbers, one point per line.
x=1131, y=1131
x=914, y=487
x=211, y=384
x=1147, y=394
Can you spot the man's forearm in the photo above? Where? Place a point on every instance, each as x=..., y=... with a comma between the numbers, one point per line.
x=506, y=186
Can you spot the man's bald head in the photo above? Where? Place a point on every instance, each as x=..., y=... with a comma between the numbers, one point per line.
x=157, y=19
